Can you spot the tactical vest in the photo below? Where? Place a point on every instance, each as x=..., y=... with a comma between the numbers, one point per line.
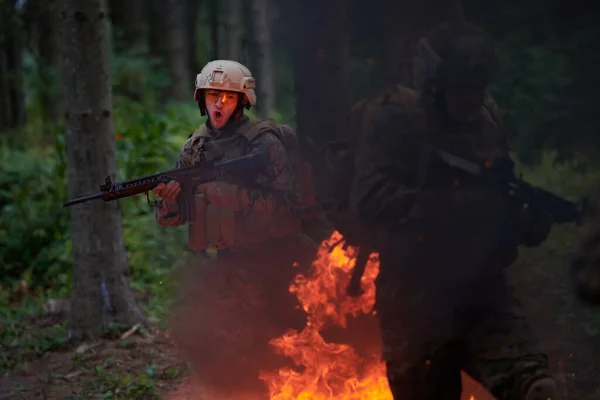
x=219, y=228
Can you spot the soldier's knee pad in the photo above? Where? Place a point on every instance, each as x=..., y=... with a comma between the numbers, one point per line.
x=541, y=388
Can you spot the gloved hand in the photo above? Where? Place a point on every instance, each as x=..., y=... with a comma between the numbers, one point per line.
x=220, y=194
x=535, y=227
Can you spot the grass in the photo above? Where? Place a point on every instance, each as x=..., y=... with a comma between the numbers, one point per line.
x=36, y=361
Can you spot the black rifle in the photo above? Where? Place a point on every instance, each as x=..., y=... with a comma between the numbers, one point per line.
x=188, y=177
x=500, y=174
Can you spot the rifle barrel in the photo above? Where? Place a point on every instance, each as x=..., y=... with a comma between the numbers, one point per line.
x=70, y=203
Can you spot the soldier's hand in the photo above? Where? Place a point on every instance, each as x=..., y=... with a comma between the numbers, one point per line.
x=168, y=192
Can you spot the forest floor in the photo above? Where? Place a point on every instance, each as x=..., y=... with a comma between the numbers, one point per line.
x=36, y=363
x=137, y=364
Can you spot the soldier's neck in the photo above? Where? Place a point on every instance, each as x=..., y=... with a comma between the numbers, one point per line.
x=231, y=126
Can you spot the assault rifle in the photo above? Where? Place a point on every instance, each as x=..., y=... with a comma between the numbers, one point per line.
x=188, y=177
x=500, y=174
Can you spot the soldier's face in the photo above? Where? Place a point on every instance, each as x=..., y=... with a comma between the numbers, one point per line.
x=464, y=103
x=220, y=106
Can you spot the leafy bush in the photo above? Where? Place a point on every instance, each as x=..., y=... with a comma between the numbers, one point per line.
x=34, y=229
x=532, y=86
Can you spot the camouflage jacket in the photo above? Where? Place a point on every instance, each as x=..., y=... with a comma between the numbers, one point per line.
x=266, y=200
x=433, y=217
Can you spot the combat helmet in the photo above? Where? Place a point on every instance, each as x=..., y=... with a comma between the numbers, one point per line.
x=457, y=53
x=225, y=75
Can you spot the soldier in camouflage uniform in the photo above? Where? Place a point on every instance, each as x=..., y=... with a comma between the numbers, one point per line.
x=235, y=303
x=443, y=300
x=586, y=265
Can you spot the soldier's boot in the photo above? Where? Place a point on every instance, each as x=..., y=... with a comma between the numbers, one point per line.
x=541, y=388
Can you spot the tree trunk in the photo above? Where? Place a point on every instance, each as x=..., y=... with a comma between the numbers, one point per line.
x=101, y=292
x=262, y=58
x=321, y=58
x=234, y=30
x=213, y=21
x=128, y=23
x=48, y=42
x=5, y=106
x=177, y=49
x=157, y=27
x=191, y=22
x=12, y=98
x=320, y=46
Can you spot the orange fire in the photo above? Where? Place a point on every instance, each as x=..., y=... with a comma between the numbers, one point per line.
x=329, y=371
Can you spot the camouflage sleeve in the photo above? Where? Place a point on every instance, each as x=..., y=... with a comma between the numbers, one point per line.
x=277, y=183
x=386, y=163
x=167, y=213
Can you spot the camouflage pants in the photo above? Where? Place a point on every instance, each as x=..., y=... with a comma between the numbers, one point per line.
x=228, y=309
x=427, y=342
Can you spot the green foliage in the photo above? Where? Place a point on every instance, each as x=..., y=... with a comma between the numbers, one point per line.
x=137, y=76
x=114, y=386
x=34, y=237
x=20, y=342
x=531, y=86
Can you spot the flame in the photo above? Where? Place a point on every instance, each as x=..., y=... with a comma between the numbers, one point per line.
x=329, y=371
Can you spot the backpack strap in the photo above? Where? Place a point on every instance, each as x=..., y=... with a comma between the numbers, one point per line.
x=251, y=130
x=202, y=131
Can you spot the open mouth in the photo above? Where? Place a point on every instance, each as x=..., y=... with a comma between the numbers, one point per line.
x=218, y=115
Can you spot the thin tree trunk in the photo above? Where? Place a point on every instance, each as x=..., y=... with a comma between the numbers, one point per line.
x=128, y=23
x=48, y=59
x=15, y=76
x=320, y=46
x=320, y=57
x=157, y=27
x=213, y=20
x=234, y=31
x=191, y=22
x=5, y=106
x=177, y=50
x=12, y=99
x=263, y=58
x=101, y=290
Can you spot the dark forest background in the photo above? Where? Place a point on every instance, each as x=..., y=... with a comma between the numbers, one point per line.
x=312, y=59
